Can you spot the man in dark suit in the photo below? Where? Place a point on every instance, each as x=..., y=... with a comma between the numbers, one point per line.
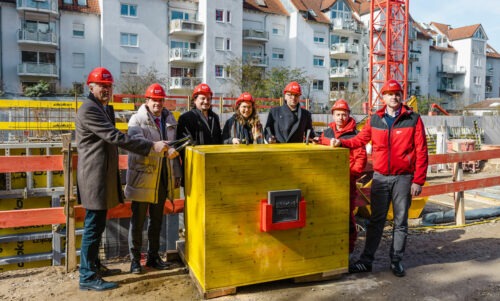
x=289, y=123
x=99, y=187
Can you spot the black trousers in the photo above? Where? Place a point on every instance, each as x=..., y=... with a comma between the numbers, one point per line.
x=384, y=190
x=139, y=214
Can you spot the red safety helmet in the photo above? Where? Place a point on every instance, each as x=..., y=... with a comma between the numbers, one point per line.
x=391, y=86
x=341, y=104
x=294, y=88
x=155, y=91
x=100, y=75
x=245, y=96
x=202, y=89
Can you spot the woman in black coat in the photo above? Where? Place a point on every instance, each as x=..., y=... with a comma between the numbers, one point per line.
x=244, y=126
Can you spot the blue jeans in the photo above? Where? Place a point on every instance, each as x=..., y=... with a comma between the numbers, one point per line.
x=384, y=190
x=93, y=227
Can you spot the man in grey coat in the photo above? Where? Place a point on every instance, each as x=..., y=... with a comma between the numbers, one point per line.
x=98, y=181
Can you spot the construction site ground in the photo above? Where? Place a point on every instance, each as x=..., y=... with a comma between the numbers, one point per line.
x=443, y=263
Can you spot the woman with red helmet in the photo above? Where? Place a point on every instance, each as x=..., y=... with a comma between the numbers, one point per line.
x=244, y=126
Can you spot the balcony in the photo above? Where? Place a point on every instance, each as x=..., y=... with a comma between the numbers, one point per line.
x=450, y=88
x=44, y=38
x=255, y=35
x=452, y=69
x=255, y=59
x=489, y=72
x=413, y=57
x=343, y=50
x=343, y=72
x=185, y=55
x=42, y=6
x=345, y=26
x=37, y=69
x=186, y=27
x=184, y=83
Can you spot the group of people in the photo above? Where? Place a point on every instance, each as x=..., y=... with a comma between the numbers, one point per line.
x=154, y=164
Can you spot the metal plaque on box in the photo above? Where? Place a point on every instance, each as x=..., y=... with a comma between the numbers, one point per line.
x=285, y=204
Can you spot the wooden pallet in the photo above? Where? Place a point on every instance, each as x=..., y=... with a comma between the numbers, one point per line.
x=214, y=293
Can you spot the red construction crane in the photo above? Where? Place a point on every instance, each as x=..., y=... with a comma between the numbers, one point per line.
x=388, y=47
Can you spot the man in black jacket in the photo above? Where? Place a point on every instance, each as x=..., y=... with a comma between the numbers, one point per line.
x=201, y=122
x=289, y=123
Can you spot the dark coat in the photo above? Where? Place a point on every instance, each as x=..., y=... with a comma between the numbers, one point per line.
x=203, y=131
x=233, y=129
x=97, y=140
x=286, y=126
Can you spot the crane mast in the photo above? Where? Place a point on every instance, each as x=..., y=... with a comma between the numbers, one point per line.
x=388, y=58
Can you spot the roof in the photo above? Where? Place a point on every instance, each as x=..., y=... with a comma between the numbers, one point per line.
x=443, y=28
x=272, y=7
x=491, y=52
x=445, y=49
x=92, y=7
x=488, y=104
x=463, y=32
x=311, y=5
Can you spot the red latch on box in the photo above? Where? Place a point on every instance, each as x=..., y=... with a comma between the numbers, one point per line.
x=266, y=218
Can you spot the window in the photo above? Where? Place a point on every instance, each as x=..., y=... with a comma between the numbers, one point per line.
x=38, y=57
x=228, y=16
x=319, y=37
x=355, y=86
x=68, y=1
x=261, y=3
x=219, y=71
x=78, y=30
x=278, y=29
x=477, y=80
x=179, y=15
x=340, y=10
x=82, y=2
x=222, y=44
x=478, y=62
x=128, y=39
x=219, y=15
x=128, y=68
x=319, y=61
x=278, y=54
x=318, y=85
x=128, y=10
x=418, y=70
x=219, y=43
x=78, y=60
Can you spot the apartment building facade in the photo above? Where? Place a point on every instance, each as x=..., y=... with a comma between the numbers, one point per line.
x=191, y=41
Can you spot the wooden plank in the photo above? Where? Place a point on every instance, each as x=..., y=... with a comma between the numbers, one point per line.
x=444, y=188
x=31, y=163
x=458, y=175
x=465, y=156
x=69, y=204
x=55, y=215
x=330, y=275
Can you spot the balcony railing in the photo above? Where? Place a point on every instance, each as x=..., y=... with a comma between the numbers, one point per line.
x=450, y=88
x=345, y=25
x=185, y=83
x=50, y=6
x=336, y=72
x=255, y=59
x=187, y=27
x=255, y=35
x=37, y=69
x=37, y=37
x=185, y=55
x=453, y=69
x=347, y=48
x=414, y=57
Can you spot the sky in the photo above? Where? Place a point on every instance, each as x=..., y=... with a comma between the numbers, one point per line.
x=459, y=13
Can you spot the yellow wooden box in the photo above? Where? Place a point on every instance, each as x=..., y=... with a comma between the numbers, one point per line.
x=224, y=246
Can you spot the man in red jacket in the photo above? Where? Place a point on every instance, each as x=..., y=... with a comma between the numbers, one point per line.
x=344, y=126
x=400, y=166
